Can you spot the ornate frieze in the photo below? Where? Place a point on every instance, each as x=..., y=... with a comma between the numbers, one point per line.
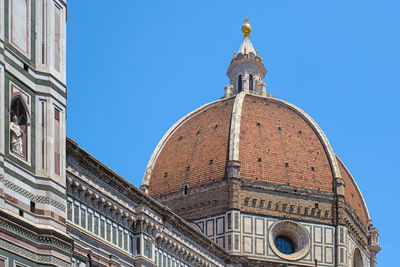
x=36, y=198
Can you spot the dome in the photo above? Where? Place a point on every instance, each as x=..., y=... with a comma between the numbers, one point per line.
x=251, y=170
x=272, y=141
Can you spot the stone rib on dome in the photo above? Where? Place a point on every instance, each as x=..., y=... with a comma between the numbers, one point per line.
x=280, y=146
x=353, y=194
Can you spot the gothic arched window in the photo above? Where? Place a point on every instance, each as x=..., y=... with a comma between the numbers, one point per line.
x=357, y=258
x=240, y=83
x=18, y=128
x=251, y=83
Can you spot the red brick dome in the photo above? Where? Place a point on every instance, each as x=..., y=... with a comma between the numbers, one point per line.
x=272, y=140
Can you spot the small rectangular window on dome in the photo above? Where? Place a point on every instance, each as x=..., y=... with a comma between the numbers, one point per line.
x=185, y=189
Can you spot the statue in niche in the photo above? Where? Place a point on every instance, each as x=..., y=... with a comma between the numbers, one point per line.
x=16, y=135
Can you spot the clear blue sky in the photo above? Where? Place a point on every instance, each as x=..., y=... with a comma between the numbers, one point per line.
x=136, y=67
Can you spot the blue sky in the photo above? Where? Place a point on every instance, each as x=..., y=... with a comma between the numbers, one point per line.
x=136, y=67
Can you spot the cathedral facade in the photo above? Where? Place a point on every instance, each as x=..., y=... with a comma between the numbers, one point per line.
x=246, y=180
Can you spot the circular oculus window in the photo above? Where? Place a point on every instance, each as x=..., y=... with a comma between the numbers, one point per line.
x=289, y=240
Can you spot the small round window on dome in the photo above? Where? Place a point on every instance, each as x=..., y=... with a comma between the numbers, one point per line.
x=284, y=244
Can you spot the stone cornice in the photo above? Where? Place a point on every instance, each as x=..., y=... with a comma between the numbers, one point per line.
x=246, y=59
x=284, y=201
x=354, y=225
x=300, y=192
x=85, y=237
x=42, y=239
x=90, y=191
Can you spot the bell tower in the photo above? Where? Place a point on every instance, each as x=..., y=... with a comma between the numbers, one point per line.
x=246, y=71
x=32, y=133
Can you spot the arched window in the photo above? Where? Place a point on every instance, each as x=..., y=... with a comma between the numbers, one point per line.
x=357, y=258
x=240, y=84
x=18, y=128
x=251, y=83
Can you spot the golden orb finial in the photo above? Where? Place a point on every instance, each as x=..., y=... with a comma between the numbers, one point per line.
x=246, y=28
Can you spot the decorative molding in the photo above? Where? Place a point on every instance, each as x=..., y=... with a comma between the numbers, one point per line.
x=86, y=194
x=41, y=259
x=42, y=239
x=36, y=198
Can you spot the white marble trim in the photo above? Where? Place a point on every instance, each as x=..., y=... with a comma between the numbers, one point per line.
x=317, y=130
x=358, y=189
x=234, y=136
